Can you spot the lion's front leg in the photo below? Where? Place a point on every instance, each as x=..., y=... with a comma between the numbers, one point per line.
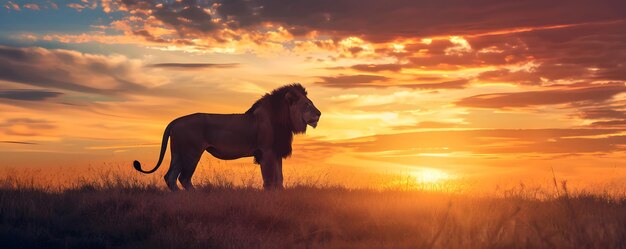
x=270, y=166
x=278, y=184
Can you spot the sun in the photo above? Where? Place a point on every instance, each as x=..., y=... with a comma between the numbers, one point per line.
x=429, y=175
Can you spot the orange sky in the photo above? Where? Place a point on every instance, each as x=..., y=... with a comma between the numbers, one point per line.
x=499, y=91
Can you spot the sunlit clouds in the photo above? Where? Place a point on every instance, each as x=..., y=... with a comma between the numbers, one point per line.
x=441, y=90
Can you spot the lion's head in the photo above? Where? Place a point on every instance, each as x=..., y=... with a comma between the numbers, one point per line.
x=290, y=111
x=302, y=111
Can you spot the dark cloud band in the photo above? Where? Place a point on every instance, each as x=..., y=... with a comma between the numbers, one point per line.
x=28, y=95
x=193, y=65
x=592, y=94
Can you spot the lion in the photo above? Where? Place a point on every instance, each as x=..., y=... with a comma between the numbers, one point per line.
x=264, y=132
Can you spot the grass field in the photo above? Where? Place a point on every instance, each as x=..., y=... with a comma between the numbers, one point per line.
x=129, y=214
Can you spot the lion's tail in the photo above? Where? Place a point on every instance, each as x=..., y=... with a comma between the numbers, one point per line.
x=166, y=135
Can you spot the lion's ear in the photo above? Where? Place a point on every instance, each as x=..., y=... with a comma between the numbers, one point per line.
x=291, y=98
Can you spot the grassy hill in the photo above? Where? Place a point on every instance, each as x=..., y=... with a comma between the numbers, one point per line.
x=144, y=216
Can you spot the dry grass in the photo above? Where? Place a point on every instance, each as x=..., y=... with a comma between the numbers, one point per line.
x=110, y=211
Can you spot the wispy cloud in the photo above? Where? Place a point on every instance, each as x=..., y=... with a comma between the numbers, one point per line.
x=28, y=95
x=71, y=70
x=32, y=6
x=347, y=81
x=591, y=94
x=18, y=142
x=26, y=126
x=505, y=141
x=194, y=65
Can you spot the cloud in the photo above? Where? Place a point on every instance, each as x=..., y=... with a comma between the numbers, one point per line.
x=586, y=52
x=377, y=81
x=371, y=20
x=377, y=67
x=347, y=81
x=74, y=71
x=610, y=116
x=84, y=5
x=28, y=95
x=602, y=113
x=17, y=142
x=459, y=36
x=185, y=16
x=612, y=123
x=26, y=126
x=453, y=84
x=32, y=6
x=494, y=141
x=12, y=6
x=582, y=52
x=591, y=94
x=421, y=35
x=506, y=75
x=193, y=65
x=375, y=20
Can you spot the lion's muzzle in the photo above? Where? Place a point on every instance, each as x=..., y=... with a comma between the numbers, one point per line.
x=315, y=117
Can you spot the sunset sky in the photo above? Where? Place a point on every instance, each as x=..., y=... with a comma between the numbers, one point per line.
x=497, y=90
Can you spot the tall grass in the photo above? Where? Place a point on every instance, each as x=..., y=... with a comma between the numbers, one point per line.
x=105, y=209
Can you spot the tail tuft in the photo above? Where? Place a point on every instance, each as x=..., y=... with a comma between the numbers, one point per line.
x=166, y=135
x=137, y=165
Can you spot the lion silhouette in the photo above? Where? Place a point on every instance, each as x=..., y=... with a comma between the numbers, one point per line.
x=265, y=132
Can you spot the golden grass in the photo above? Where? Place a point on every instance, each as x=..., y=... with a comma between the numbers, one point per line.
x=109, y=210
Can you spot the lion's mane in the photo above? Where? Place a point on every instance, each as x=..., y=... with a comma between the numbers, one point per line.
x=278, y=108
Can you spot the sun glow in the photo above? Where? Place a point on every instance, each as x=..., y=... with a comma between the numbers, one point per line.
x=430, y=175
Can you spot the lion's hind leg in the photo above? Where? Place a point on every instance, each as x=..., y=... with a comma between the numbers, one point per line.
x=188, y=167
x=173, y=172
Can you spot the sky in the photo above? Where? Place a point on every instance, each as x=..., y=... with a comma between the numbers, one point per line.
x=506, y=91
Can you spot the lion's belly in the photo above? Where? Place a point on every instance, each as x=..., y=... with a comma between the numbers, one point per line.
x=228, y=143
x=229, y=136
x=228, y=154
